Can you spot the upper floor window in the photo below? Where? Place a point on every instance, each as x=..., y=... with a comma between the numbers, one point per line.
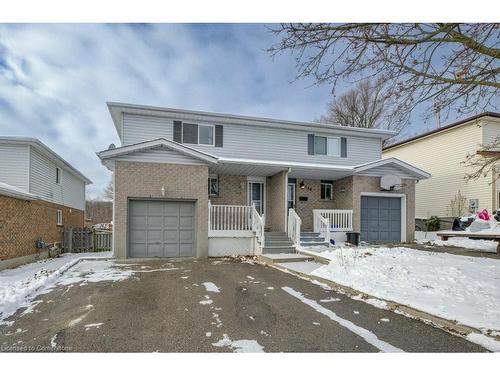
x=196, y=134
x=322, y=145
x=58, y=175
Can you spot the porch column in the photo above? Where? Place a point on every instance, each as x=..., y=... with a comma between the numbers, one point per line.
x=276, y=202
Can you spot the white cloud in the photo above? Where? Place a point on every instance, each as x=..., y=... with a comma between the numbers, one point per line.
x=55, y=80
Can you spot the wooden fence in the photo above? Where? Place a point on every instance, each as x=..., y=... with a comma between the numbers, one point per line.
x=79, y=240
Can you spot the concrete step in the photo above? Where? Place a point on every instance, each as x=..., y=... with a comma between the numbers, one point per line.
x=312, y=239
x=285, y=258
x=278, y=243
x=278, y=249
x=271, y=234
x=309, y=234
x=308, y=244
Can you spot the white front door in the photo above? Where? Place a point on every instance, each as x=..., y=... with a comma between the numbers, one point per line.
x=256, y=196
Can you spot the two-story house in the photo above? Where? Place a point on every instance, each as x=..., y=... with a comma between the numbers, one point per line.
x=190, y=183
x=442, y=152
x=40, y=193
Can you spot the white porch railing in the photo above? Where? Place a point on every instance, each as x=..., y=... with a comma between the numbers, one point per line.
x=258, y=227
x=324, y=227
x=235, y=221
x=339, y=220
x=293, y=228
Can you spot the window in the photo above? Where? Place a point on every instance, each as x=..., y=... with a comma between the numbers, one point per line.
x=213, y=186
x=327, y=190
x=59, y=217
x=320, y=145
x=58, y=175
x=334, y=146
x=190, y=133
x=206, y=135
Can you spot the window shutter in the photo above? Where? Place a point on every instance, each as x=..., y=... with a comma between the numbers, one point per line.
x=218, y=136
x=343, y=147
x=310, y=144
x=178, y=131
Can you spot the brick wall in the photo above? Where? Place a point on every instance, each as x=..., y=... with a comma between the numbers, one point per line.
x=276, y=208
x=232, y=190
x=145, y=180
x=312, y=190
x=23, y=222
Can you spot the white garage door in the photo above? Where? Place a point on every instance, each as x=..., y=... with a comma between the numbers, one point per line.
x=161, y=229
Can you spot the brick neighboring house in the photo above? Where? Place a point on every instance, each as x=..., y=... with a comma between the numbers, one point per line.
x=40, y=194
x=190, y=183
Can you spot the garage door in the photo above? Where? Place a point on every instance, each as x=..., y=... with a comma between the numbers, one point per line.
x=161, y=229
x=380, y=219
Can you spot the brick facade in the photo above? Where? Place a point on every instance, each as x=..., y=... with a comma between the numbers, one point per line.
x=276, y=207
x=23, y=222
x=232, y=190
x=311, y=190
x=145, y=180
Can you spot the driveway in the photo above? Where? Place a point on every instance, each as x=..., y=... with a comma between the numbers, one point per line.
x=165, y=306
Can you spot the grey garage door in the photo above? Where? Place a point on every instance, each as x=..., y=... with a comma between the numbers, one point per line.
x=161, y=229
x=380, y=219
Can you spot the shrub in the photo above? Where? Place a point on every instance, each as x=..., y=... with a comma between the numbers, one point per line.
x=432, y=224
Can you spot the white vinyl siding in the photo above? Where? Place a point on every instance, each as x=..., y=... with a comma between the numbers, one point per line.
x=491, y=131
x=253, y=142
x=441, y=154
x=14, y=165
x=70, y=192
x=387, y=169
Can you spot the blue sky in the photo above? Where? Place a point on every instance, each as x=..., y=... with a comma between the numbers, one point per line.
x=55, y=80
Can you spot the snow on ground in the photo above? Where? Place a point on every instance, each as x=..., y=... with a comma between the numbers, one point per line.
x=18, y=284
x=454, y=287
x=211, y=287
x=368, y=336
x=467, y=243
x=240, y=346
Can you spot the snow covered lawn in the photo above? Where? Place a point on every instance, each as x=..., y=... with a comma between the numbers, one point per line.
x=19, y=285
x=467, y=243
x=460, y=288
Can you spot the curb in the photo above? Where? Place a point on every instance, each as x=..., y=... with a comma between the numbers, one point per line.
x=435, y=321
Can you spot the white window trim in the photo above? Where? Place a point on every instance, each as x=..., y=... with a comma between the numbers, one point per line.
x=59, y=217
x=331, y=191
x=213, y=135
x=60, y=176
x=339, y=144
x=216, y=177
x=403, y=208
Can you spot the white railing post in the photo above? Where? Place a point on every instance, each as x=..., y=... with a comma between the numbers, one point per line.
x=209, y=216
x=293, y=227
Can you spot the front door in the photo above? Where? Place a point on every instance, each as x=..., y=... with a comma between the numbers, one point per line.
x=256, y=196
x=291, y=195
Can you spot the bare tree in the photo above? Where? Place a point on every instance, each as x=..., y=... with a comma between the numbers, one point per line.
x=452, y=67
x=458, y=205
x=484, y=161
x=108, y=191
x=362, y=106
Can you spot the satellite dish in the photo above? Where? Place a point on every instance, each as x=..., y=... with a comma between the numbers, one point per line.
x=111, y=146
x=390, y=182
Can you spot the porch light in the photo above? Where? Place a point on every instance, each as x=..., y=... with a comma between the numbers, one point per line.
x=162, y=191
x=302, y=185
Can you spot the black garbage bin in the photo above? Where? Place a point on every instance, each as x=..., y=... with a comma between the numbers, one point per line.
x=353, y=238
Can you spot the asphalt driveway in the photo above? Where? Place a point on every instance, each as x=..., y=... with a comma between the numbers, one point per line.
x=165, y=306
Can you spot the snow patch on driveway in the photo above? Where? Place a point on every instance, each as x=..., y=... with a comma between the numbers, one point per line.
x=239, y=346
x=368, y=336
x=211, y=287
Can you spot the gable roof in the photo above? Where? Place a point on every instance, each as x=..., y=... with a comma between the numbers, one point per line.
x=116, y=110
x=46, y=151
x=143, y=146
x=443, y=128
x=417, y=172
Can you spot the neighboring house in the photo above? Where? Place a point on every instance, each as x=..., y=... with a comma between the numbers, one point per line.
x=40, y=193
x=191, y=183
x=442, y=152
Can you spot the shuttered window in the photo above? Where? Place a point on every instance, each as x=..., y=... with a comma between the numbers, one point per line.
x=190, y=133
x=197, y=134
x=320, y=145
x=333, y=146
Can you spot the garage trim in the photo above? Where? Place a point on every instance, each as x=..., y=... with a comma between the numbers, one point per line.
x=403, y=208
x=195, y=201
